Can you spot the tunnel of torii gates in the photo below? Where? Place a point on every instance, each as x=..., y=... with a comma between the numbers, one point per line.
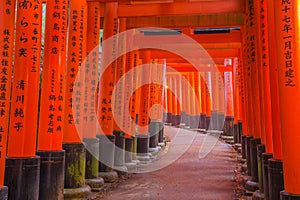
x=244, y=85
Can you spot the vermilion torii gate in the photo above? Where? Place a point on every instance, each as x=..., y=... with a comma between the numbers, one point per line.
x=253, y=86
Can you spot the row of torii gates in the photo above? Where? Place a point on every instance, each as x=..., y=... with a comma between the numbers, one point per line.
x=245, y=84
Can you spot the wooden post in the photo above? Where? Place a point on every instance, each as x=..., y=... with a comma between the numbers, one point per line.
x=49, y=146
x=7, y=21
x=22, y=164
x=287, y=37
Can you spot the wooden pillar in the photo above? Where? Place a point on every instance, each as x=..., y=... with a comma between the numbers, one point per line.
x=287, y=37
x=7, y=17
x=106, y=86
x=22, y=164
x=73, y=109
x=143, y=120
x=50, y=133
x=203, y=102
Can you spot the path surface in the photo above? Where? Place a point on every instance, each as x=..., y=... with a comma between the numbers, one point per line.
x=188, y=178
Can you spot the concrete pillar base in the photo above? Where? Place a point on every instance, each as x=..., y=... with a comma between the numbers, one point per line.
x=109, y=177
x=131, y=167
x=77, y=193
x=228, y=139
x=95, y=183
x=258, y=195
x=144, y=159
x=3, y=193
x=287, y=196
x=251, y=186
x=121, y=170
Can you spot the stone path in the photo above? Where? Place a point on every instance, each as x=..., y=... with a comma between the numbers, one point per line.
x=188, y=178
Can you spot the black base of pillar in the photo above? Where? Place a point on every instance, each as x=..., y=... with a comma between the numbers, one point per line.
x=235, y=133
x=221, y=120
x=244, y=147
x=202, y=123
x=183, y=117
x=92, y=157
x=75, y=165
x=22, y=177
x=261, y=148
x=240, y=131
x=153, y=131
x=3, y=193
x=128, y=149
x=207, y=120
x=169, y=118
x=164, y=119
x=214, y=120
x=119, y=158
x=248, y=157
x=253, y=155
x=106, y=152
x=228, y=126
x=178, y=120
x=275, y=179
x=161, y=133
x=187, y=120
x=174, y=120
x=287, y=196
x=265, y=168
x=52, y=173
x=142, y=145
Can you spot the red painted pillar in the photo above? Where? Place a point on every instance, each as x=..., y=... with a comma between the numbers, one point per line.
x=49, y=146
x=287, y=37
x=7, y=17
x=22, y=164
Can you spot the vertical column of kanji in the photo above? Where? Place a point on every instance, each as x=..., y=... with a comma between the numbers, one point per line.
x=169, y=99
x=185, y=88
x=73, y=109
x=275, y=114
x=7, y=19
x=221, y=112
x=22, y=165
x=178, y=99
x=197, y=88
x=136, y=92
x=89, y=72
x=239, y=97
x=267, y=139
x=253, y=64
x=287, y=36
x=118, y=102
x=183, y=101
x=250, y=55
x=129, y=123
x=49, y=146
x=106, y=86
x=143, y=113
x=192, y=97
x=174, y=100
x=215, y=100
x=153, y=126
x=161, y=94
x=236, y=94
x=228, y=126
x=207, y=79
x=203, y=102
